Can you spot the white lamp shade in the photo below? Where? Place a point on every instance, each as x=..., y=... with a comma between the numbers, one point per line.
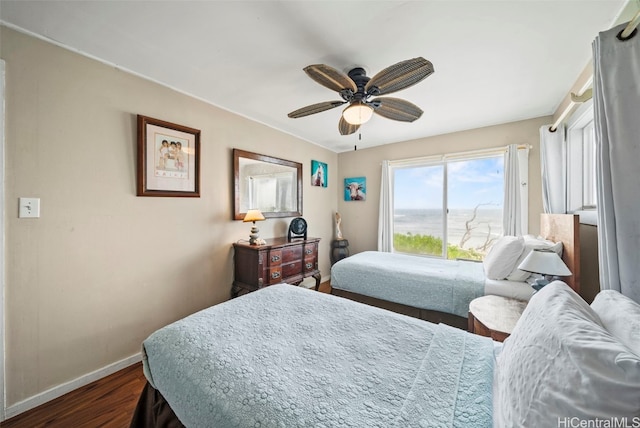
x=544, y=262
x=357, y=113
x=253, y=215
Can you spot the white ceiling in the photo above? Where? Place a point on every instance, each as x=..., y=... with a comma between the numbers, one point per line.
x=495, y=61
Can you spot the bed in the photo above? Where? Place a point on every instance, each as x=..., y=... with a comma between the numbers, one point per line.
x=290, y=357
x=440, y=290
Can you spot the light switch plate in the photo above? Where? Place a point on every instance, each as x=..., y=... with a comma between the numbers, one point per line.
x=29, y=208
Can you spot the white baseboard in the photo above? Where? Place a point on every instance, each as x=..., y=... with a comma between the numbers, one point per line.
x=60, y=390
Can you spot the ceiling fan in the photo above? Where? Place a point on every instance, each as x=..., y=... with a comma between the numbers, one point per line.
x=357, y=89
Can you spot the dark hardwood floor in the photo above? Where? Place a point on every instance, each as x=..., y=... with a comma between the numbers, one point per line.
x=325, y=287
x=107, y=402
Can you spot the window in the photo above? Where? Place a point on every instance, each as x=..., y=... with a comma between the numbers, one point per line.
x=448, y=208
x=589, y=166
x=581, y=160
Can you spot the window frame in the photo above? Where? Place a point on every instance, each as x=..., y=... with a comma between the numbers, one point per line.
x=580, y=160
x=441, y=160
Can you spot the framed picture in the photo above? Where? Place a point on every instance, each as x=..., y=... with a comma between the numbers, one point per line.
x=318, y=173
x=355, y=189
x=168, y=159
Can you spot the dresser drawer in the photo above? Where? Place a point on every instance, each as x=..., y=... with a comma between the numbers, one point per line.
x=292, y=254
x=291, y=269
x=275, y=257
x=310, y=249
x=275, y=275
x=310, y=264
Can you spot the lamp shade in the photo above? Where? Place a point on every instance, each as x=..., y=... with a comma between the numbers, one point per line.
x=253, y=215
x=544, y=262
x=357, y=113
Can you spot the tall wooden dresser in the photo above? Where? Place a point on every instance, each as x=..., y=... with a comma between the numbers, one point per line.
x=277, y=261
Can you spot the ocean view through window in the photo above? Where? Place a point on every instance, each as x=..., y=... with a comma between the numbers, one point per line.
x=449, y=209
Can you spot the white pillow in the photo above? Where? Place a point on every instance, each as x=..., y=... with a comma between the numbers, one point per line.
x=620, y=316
x=502, y=257
x=560, y=363
x=532, y=243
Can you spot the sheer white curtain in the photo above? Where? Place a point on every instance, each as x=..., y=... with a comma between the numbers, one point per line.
x=515, y=216
x=385, y=216
x=617, y=125
x=553, y=154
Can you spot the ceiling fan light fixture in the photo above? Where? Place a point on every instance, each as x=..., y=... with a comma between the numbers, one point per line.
x=356, y=89
x=357, y=113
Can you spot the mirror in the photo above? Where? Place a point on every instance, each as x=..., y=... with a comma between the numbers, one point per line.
x=272, y=185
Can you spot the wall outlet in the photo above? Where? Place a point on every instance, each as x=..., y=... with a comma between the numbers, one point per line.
x=29, y=208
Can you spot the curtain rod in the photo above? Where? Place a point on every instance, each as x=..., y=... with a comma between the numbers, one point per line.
x=457, y=155
x=575, y=100
x=628, y=32
x=631, y=27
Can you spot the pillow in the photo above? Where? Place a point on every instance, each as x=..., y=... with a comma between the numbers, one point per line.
x=502, y=257
x=560, y=363
x=532, y=243
x=620, y=316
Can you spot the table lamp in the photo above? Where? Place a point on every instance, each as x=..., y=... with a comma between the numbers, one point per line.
x=253, y=216
x=544, y=262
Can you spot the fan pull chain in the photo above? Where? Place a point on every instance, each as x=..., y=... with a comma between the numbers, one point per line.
x=355, y=147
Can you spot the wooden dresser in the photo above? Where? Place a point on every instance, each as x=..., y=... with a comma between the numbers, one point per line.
x=277, y=261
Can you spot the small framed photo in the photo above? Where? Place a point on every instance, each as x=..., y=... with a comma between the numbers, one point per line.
x=355, y=189
x=168, y=159
x=318, y=173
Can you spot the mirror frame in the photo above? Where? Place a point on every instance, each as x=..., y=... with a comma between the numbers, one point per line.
x=237, y=154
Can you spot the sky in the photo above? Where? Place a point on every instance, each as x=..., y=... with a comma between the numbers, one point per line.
x=470, y=183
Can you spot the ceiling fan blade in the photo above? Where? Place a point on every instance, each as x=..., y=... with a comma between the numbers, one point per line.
x=315, y=108
x=346, y=128
x=399, y=76
x=396, y=109
x=330, y=78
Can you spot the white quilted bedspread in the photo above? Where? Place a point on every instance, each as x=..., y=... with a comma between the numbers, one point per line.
x=290, y=357
x=422, y=282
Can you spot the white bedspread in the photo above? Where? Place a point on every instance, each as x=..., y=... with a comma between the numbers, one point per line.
x=422, y=282
x=290, y=357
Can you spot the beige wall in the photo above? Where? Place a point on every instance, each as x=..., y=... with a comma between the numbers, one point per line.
x=360, y=219
x=101, y=269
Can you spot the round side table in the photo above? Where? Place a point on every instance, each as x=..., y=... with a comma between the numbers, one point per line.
x=339, y=250
x=494, y=316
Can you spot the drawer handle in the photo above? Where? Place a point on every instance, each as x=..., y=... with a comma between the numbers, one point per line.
x=309, y=265
x=308, y=251
x=275, y=275
x=275, y=258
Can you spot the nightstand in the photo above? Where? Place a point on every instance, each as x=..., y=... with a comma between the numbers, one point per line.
x=494, y=316
x=339, y=250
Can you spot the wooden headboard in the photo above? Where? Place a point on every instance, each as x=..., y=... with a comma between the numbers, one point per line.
x=565, y=228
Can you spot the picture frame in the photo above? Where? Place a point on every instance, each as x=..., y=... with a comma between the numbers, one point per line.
x=355, y=189
x=319, y=174
x=168, y=159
